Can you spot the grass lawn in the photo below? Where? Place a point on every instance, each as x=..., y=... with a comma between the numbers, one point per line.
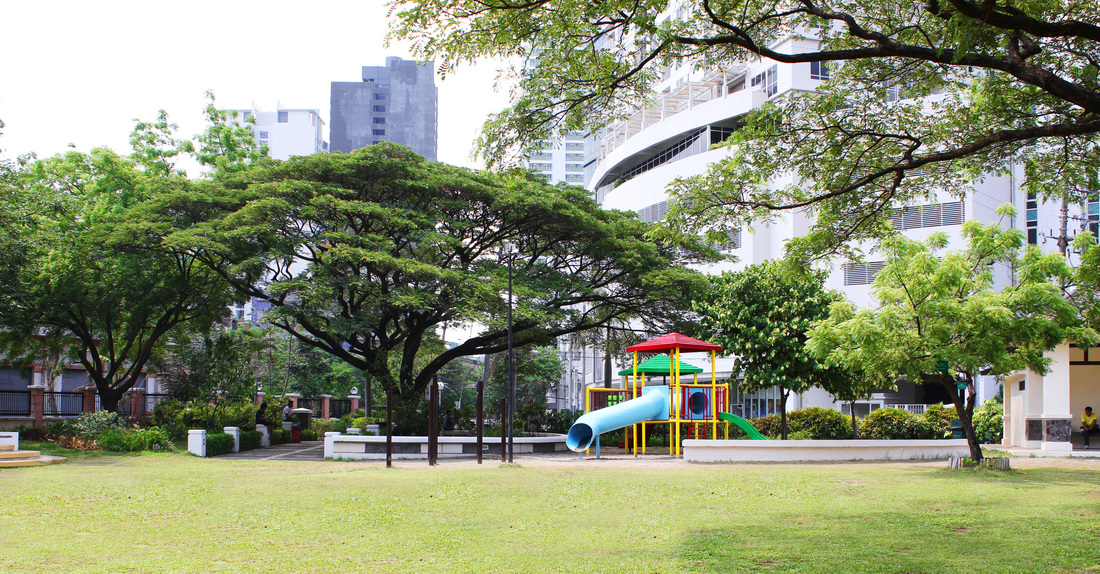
x=165, y=512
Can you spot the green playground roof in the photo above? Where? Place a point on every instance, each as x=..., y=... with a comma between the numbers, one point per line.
x=661, y=365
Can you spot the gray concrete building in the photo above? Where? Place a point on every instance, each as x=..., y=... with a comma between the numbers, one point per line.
x=395, y=103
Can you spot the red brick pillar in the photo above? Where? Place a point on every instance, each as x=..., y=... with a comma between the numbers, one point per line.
x=293, y=399
x=137, y=404
x=89, y=400
x=354, y=402
x=325, y=406
x=38, y=400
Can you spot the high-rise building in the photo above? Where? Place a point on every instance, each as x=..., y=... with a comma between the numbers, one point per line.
x=286, y=132
x=394, y=103
x=562, y=160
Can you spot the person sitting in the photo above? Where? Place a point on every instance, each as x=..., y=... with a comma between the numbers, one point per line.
x=287, y=418
x=263, y=419
x=1088, y=424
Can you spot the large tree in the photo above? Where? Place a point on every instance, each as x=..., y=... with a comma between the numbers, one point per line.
x=762, y=315
x=366, y=255
x=923, y=96
x=938, y=318
x=74, y=288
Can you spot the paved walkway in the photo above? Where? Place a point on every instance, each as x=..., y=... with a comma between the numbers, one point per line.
x=304, y=451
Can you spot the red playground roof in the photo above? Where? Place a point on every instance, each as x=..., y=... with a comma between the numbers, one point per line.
x=673, y=341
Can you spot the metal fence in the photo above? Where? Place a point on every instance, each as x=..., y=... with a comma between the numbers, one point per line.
x=339, y=407
x=311, y=404
x=151, y=400
x=15, y=403
x=62, y=404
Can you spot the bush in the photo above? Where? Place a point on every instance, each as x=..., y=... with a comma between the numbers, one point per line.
x=308, y=434
x=134, y=440
x=280, y=436
x=91, y=426
x=251, y=439
x=322, y=426
x=820, y=424
x=218, y=443
x=939, y=416
x=768, y=425
x=896, y=424
x=989, y=421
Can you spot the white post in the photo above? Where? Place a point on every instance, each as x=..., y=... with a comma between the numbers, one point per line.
x=196, y=442
x=265, y=435
x=234, y=432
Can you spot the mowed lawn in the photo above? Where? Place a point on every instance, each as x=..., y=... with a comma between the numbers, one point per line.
x=175, y=513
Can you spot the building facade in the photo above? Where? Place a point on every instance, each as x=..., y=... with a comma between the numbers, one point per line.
x=287, y=132
x=395, y=103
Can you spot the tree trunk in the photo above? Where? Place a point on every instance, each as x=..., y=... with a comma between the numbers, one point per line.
x=965, y=412
x=783, y=394
x=852, y=411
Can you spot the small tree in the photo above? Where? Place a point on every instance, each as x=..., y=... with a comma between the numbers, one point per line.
x=939, y=319
x=762, y=314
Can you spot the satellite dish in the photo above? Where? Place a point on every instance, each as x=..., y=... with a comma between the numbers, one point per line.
x=355, y=390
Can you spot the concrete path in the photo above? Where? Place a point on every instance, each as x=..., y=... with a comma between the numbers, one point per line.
x=312, y=451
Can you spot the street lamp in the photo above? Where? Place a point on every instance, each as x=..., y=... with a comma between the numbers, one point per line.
x=508, y=255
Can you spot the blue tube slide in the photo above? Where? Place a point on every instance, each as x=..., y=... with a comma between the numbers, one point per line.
x=651, y=406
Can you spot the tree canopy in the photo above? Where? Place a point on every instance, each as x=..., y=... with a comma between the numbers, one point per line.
x=921, y=96
x=762, y=315
x=366, y=255
x=939, y=318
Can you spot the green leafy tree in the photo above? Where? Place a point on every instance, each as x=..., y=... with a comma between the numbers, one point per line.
x=80, y=281
x=209, y=366
x=538, y=369
x=366, y=255
x=939, y=319
x=999, y=76
x=762, y=315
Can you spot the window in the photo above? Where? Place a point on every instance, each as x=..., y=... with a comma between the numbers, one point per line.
x=574, y=167
x=767, y=81
x=574, y=157
x=379, y=96
x=574, y=147
x=819, y=71
x=929, y=215
x=378, y=132
x=284, y=117
x=574, y=177
x=380, y=108
x=379, y=120
x=540, y=166
x=855, y=274
x=263, y=135
x=1032, y=219
x=1092, y=215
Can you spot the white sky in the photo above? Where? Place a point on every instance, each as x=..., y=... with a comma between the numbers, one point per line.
x=81, y=71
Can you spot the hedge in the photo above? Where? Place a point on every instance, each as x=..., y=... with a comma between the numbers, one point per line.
x=251, y=439
x=280, y=436
x=218, y=443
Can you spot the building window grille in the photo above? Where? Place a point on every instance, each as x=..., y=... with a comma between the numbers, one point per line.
x=263, y=135
x=570, y=146
x=379, y=108
x=378, y=132
x=379, y=96
x=653, y=213
x=379, y=120
x=819, y=71
x=574, y=177
x=856, y=274
x=284, y=117
x=929, y=215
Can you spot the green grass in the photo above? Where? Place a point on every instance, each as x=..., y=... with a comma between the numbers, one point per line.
x=163, y=512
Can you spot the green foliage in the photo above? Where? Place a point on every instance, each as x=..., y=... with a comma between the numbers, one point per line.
x=178, y=417
x=218, y=443
x=134, y=440
x=251, y=439
x=280, y=436
x=322, y=426
x=939, y=416
x=989, y=421
x=209, y=366
x=93, y=425
x=895, y=424
x=537, y=369
x=821, y=424
x=531, y=418
x=308, y=434
x=865, y=141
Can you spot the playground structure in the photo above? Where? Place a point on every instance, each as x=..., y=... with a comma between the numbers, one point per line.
x=700, y=408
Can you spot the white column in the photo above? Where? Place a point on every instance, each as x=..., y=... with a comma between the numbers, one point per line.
x=196, y=442
x=1057, y=419
x=234, y=432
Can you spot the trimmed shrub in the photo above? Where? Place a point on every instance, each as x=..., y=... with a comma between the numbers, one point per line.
x=309, y=434
x=322, y=426
x=896, y=424
x=768, y=425
x=91, y=426
x=218, y=443
x=280, y=436
x=989, y=421
x=939, y=416
x=134, y=440
x=251, y=439
x=820, y=424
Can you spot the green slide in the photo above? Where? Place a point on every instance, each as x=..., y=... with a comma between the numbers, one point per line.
x=743, y=425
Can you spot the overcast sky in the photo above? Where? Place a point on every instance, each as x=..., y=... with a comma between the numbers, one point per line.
x=80, y=72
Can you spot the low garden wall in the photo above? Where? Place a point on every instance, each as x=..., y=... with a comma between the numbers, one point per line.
x=698, y=450
x=416, y=447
